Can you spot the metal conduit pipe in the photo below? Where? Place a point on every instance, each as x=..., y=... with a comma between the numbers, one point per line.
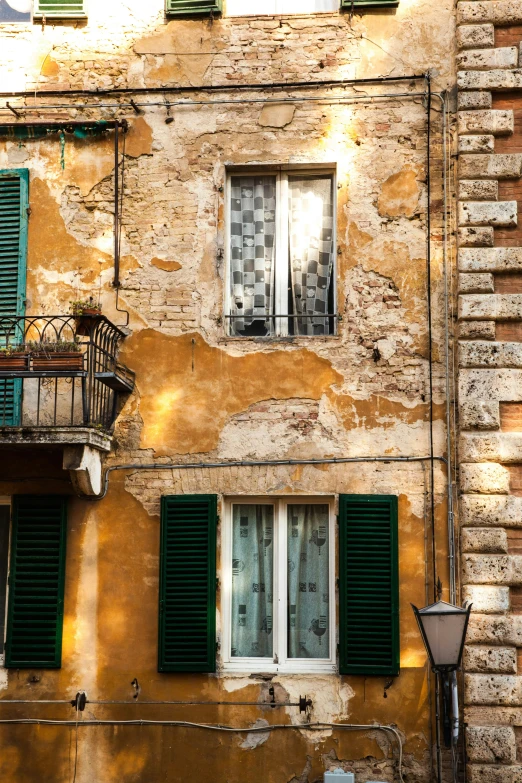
x=251, y=464
x=215, y=87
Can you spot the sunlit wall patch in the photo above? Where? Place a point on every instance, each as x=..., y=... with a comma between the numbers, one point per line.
x=15, y=11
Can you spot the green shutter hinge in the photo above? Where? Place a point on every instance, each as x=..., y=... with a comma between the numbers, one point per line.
x=217, y=583
x=161, y=605
x=338, y=519
x=337, y=582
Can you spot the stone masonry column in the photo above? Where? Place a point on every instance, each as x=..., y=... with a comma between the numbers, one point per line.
x=490, y=380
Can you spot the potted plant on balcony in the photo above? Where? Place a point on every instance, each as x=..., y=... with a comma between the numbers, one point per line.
x=13, y=357
x=86, y=308
x=62, y=355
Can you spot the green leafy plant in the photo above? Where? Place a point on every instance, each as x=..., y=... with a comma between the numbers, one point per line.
x=9, y=350
x=59, y=346
x=85, y=306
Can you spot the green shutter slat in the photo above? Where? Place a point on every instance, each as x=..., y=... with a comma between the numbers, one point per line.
x=59, y=8
x=190, y=7
x=187, y=618
x=368, y=585
x=36, y=582
x=14, y=189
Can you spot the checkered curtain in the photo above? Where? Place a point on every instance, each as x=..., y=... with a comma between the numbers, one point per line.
x=311, y=250
x=252, y=236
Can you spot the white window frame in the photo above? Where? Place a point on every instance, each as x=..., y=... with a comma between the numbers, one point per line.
x=281, y=173
x=283, y=665
x=280, y=7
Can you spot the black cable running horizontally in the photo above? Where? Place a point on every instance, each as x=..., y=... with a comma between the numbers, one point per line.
x=214, y=87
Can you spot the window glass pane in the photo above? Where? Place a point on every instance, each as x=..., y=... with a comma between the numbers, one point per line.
x=308, y=581
x=254, y=8
x=4, y=555
x=252, y=580
x=310, y=233
x=252, y=246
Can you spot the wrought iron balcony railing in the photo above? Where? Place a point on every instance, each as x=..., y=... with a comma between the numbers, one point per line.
x=60, y=370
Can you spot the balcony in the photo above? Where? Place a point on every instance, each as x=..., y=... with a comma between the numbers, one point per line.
x=60, y=384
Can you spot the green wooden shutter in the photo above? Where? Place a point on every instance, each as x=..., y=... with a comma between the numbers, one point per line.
x=347, y=4
x=187, y=611
x=368, y=585
x=14, y=203
x=36, y=582
x=59, y=8
x=190, y=7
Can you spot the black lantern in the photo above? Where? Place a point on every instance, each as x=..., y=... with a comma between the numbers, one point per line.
x=443, y=629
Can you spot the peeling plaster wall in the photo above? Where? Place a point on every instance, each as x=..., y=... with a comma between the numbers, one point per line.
x=203, y=396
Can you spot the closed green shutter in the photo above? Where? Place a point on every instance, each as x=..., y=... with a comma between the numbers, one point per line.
x=59, y=8
x=189, y=7
x=187, y=611
x=36, y=582
x=347, y=4
x=368, y=585
x=14, y=203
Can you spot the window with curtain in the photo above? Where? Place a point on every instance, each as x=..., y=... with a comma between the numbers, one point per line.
x=253, y=8
x=281, y=249
x=278, y=591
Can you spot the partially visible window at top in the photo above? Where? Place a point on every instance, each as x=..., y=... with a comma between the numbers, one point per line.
x=281, y=255
x=59, y=9
x=15, y=11
x=267, y=7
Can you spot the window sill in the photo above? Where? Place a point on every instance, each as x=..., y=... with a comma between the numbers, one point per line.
x=255, y=667
x=292, y=339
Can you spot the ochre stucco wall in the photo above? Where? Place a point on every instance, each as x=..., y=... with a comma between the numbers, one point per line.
x=203, y=396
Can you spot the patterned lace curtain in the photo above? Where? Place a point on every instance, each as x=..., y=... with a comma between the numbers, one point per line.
x=252, y=580
x=252, y=235
x=308, y=581
x=311, y=250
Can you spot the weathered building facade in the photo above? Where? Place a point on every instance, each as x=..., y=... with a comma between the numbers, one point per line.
x=231, y=499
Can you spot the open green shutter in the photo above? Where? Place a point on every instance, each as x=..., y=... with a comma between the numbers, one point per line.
x=189, y=7
x=14, y=203
x=36, y=582
x=60, y=9
x=368, y=585
x=347, y=4
x=187, y=611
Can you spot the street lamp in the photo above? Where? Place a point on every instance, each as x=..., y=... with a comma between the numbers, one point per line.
x=443, y=629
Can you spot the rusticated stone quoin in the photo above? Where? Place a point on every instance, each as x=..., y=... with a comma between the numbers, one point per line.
x=494, y=259
x=497, y=122
x=489, y=659
x=490, y=166
x=477, y=539
x=487, y=599
x=475, y=236
x=491, y=510
x=480, y=414
x=493, y=213
x=491, y=744
x=476, y=283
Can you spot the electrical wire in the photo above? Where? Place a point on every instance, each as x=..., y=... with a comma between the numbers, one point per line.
x=218, y=87
x=221, y=102
x=219, y=727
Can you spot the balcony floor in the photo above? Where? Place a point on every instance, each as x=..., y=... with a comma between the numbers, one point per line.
x=55, y=436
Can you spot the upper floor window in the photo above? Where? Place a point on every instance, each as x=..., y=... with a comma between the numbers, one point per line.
x=253, y=7
x=281, y=243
